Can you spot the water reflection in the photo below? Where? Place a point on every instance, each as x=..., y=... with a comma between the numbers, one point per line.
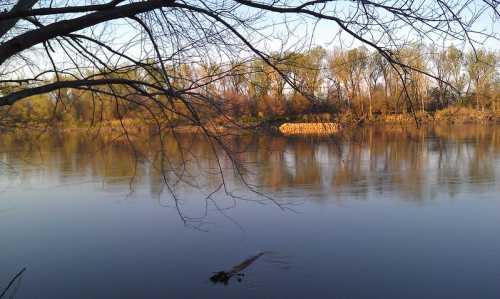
x=388, y=209
x=417, y=164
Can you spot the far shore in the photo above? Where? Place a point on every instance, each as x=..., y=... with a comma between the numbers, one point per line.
x=309, y=124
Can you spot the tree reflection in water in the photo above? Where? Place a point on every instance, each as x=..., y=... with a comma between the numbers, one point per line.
x=416, y=163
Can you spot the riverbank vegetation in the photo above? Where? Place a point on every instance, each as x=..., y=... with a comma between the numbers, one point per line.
x=318, y=85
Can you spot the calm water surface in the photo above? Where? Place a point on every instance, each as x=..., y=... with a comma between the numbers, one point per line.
x=376, y=213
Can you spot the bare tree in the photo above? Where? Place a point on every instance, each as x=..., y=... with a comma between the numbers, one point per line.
x=138, y=52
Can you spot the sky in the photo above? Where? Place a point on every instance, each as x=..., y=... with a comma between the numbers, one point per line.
x=276, y=32
x=325, y=33
x=279, y=32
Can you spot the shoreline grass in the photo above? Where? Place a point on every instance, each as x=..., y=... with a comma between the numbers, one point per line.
x=307, y=124
x=309, y=128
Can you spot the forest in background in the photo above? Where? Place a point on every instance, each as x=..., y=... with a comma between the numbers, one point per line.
x=317, y=85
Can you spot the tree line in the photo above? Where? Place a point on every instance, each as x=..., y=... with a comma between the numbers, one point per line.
x=283, y=85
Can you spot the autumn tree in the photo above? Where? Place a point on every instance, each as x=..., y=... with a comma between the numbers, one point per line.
x=481, y=70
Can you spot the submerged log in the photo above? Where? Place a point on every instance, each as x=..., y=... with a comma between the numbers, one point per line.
x=224, y=276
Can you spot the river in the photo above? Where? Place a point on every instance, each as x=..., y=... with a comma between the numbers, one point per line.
x=379, y=212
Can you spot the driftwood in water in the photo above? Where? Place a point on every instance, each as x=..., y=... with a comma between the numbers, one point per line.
x=224, y=276
x=12, y=281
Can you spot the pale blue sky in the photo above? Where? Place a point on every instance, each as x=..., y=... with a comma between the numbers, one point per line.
x=298, y=34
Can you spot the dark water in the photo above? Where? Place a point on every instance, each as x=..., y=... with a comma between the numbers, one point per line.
x=376, y=213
